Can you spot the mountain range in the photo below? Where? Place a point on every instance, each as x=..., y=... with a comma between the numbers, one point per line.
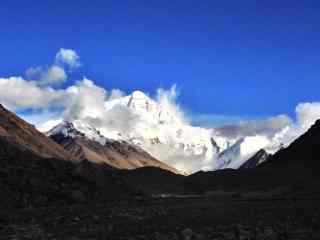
x=161, y=130
x=36, y=169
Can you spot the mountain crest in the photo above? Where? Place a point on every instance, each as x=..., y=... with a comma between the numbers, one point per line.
x=78, y=129
x=141, y=102
x=260, y=157
x=137, y=94
x=25, y=135
x=65, y=128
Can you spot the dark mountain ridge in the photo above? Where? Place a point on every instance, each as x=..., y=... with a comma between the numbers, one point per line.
x=304, y=151
x=27, y=179
x=294, y=167
x=260, y=157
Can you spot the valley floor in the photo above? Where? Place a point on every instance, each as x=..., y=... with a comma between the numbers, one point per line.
x=170, y=218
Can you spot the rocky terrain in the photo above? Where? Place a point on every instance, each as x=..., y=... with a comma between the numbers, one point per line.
x=168, y=219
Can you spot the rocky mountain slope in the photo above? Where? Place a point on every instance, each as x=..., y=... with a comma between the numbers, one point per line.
x=260, y=157
x=86, y=143
x=26, y=136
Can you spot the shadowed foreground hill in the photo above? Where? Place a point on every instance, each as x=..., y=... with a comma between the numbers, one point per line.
x=295, y=167
x=29, y=180
x=153, y=180
x=304, y=151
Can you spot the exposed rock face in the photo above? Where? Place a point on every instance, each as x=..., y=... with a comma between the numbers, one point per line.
x=26, y=136
x=260, y=157
x=92, y=146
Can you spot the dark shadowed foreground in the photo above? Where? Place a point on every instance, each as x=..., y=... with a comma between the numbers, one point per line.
x=201, y=218
x=54, y=199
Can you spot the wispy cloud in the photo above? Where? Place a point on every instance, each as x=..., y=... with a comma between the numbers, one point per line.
x=46, y=76
x=214, y=120
x=268, y=127
x=55, y=73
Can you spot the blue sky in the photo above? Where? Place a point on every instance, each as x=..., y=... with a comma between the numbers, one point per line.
x=247, y=59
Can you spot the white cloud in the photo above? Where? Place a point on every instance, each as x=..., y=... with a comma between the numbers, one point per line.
x=45, y=126
x=68, y=57
x=55, y=73
x=307, y=114
x=46, y=76
x=18, y=94
x=86, y=100
x=43, y=120
x=115, y=94
x=167, y=100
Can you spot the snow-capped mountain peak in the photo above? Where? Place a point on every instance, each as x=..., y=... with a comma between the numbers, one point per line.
x=158, y=126
x=78, y=128
x=65, y=128
x=243, y=149
x=87, y=143
x=140, y=101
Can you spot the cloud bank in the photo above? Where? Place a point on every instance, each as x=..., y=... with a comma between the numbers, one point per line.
x=20, y=94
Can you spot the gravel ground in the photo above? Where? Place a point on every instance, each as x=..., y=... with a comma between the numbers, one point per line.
x=171, y=218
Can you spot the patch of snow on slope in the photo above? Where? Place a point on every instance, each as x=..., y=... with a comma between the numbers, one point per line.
x=77, y=129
